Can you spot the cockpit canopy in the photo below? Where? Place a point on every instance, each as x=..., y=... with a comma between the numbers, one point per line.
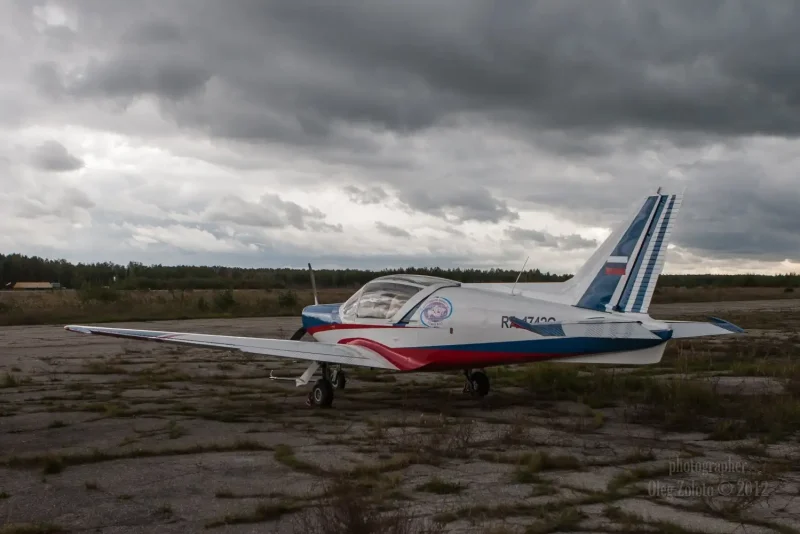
x=383, y=297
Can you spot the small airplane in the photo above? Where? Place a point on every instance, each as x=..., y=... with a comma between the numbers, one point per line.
x=414, y=323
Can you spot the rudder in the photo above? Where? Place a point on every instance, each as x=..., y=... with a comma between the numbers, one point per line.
x=640, y=286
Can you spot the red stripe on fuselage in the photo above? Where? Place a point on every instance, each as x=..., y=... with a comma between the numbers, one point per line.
x=435, y=359
x=350, y=326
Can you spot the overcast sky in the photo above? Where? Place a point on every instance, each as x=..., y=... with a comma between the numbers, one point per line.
x=383, y=134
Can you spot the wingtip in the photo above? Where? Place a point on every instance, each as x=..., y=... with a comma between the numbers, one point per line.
x=727, y=325
x=77, y=328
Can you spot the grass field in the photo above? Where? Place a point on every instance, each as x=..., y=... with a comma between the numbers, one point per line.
x=107, y=305
x=54, y=307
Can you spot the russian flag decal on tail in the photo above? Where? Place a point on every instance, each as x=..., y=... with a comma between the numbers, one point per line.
x=616, y=265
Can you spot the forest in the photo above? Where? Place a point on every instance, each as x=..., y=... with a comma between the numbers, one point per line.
x=21, y=268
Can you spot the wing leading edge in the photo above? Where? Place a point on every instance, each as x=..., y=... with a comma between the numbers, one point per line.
x=355, y=355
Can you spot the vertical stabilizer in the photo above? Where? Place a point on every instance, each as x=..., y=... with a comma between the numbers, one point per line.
x=622, y=274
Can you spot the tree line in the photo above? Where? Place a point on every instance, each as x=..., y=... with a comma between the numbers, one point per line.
x=21, y=268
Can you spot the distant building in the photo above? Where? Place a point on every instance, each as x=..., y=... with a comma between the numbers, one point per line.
x=34, y=285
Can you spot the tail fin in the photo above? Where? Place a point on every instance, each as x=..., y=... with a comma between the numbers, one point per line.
x=622, y=274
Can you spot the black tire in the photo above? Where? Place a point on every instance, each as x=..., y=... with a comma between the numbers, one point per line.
x=322, y=393
x=339, y=379
x=480, y=383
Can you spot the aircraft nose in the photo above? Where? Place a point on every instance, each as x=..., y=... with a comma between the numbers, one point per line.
x=320, y=314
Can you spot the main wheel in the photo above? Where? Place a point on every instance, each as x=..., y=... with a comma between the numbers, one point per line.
x=480, y=383
x=322, y=393
x=338, y=379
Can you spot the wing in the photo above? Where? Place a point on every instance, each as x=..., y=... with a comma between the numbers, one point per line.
x=358, y=356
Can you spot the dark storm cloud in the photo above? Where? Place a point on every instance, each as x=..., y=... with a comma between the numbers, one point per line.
x=560, y=75
x=460, y=204
x=171, y=77
x=394, y=231
x=53, y=156
x=64, y=204
x=545, y=239
x=737, y=212
x=270, y=211
x=369, y=195
x=726, y=67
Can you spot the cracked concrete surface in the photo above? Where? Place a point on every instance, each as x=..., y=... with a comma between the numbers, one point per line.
x=116, y=436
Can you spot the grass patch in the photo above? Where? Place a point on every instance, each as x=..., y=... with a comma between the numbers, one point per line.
x=529, y=465
x=728, y=430
x=262, y=512
x=679, y=403
x=101, y=367
x=348, y=508
x=176, y=431
x=31, y=528
x=55, y=464
x=440, y=487
x=633, y=523
x=9, y=381
x=558, y=521
x=637, y=474
x=285, y=455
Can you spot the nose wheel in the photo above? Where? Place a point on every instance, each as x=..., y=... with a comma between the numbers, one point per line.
x=477, y=383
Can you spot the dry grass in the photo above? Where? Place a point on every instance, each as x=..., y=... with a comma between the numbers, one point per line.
x=666, y=295
x=51, y=307
x=683, y=393
x=108, y=305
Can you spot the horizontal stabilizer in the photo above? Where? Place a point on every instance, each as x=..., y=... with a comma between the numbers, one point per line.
x=717, y=327
x=594, y=329
x=543, y=329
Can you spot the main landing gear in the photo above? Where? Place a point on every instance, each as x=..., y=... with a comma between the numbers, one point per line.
x=333, y=377
x=477, y=383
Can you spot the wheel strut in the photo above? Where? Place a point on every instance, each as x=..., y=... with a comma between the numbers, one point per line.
x=477, y=383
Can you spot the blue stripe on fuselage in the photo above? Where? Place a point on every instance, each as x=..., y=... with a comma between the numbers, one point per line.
x=573, y=345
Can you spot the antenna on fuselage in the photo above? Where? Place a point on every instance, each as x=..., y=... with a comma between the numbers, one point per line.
x=520, y=274
x=313, y=283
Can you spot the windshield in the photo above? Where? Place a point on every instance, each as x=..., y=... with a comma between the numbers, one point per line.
x=349, y=307
x=378, y=300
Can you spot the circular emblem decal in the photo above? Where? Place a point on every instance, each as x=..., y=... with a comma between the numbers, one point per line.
x=435, y=311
